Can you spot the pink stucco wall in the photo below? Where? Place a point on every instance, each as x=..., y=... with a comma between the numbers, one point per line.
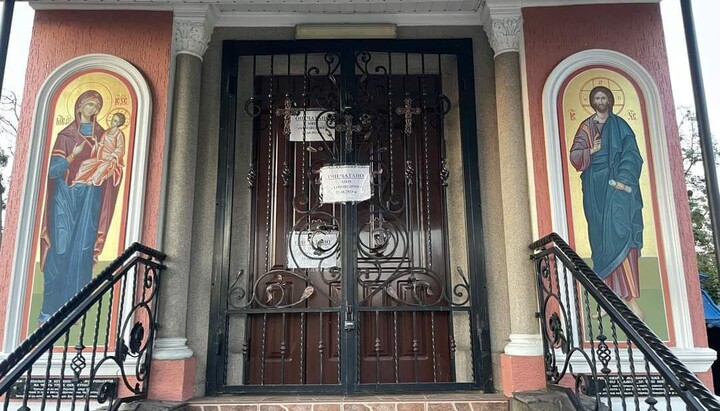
x=553, y=33
x=140, y=37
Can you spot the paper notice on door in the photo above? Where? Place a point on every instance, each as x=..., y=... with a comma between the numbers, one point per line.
x=312, y=249
x=311, y=125
x=345, y=183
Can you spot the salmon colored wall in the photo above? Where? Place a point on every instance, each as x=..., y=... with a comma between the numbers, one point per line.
x=554, y=33
x=140, y=37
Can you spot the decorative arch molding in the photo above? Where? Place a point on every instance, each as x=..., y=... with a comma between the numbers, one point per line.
x=667, y=211
x=33, y=174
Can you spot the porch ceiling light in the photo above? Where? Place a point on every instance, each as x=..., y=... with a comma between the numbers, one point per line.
x=345, y=31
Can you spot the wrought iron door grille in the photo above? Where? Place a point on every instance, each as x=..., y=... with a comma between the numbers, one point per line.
x=353, y=296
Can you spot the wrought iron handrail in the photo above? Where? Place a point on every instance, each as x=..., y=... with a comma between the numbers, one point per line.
x=133, y=278
x=568, y=334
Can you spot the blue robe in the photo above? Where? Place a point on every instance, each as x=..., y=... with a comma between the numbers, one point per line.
x=71, y=223
x=614, y=217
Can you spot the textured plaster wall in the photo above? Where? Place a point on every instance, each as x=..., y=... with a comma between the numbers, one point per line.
x=632, y=29
x=143, y=39
x=206, y=181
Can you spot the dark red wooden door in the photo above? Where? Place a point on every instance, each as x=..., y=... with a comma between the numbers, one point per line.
x=401, y=261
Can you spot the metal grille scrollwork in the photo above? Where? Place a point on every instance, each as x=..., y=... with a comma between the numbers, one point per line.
x=112, y=324
x=407, y=292
x=294, y=274
x=346, y=296
x=595, y=343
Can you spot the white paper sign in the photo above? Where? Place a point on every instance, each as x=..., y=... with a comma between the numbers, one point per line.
x=312, y=249
x=308, y=130
x=339, y=184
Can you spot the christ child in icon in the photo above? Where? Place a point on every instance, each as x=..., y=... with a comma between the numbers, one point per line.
x=107, y=156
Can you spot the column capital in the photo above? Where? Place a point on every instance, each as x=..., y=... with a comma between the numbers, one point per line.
x=503, y=26
x=193, y=27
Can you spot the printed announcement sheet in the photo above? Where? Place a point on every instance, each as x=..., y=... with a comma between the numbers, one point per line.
x=339, y=184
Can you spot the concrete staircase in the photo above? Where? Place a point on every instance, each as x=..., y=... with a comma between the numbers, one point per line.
x=456, y=401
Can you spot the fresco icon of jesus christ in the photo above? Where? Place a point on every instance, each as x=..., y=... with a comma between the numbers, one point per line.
x=606, y=153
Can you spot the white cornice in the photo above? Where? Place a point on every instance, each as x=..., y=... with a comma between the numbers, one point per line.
x=193, y=27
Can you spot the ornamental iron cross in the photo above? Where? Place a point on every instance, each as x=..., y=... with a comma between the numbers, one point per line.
x=348, y=128
x=286, y=112
x=408, y=111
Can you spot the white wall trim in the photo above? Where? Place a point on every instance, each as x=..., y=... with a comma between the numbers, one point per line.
x=106, y=370
x=666, y=212
x=695, y=359
x=33, y=173
x=159, y=242
x=528, y=139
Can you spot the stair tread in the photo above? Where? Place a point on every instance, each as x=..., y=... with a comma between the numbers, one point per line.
x=452, y=397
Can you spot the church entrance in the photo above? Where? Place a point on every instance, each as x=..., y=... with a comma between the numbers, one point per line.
x=348, y=251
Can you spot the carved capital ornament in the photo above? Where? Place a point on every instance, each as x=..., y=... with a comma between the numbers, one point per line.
x=193, y=30
x=504, y=33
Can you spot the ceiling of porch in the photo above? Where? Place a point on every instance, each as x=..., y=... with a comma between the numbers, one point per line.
x=353, y=7
x=274, y=12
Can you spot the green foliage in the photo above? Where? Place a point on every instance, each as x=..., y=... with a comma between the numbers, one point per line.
x=697, y=197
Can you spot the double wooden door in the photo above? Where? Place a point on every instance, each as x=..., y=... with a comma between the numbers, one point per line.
x=353, y=295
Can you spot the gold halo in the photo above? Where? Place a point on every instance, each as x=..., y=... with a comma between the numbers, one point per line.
x=604, y=81
x=104, y=91
x=108, y=118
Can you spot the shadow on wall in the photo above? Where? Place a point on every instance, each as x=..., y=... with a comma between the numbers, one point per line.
x=713, y=334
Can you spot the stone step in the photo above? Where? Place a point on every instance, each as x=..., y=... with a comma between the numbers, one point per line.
x=458, y=401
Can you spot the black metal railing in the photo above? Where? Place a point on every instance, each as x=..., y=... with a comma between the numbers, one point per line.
x=596, y=348
x=96, y=349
